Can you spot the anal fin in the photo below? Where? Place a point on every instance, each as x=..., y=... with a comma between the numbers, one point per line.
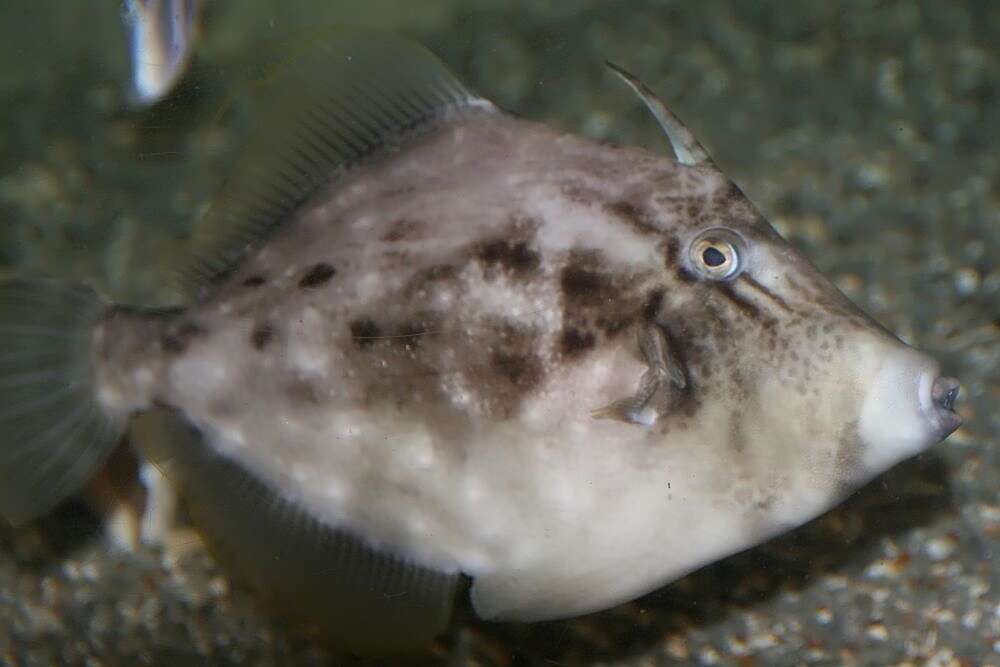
x=363, y=600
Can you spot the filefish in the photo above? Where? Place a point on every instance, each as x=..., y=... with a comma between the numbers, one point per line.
x=442, y=354
x=161, y=36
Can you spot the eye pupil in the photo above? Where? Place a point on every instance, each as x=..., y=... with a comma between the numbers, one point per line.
x=713, y=257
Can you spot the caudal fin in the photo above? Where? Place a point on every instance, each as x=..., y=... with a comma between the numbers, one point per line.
x=53, y=432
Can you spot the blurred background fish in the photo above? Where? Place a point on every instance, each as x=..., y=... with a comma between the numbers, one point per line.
x=161, y=36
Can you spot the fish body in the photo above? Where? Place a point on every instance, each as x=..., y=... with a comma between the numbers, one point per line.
x=485, y=348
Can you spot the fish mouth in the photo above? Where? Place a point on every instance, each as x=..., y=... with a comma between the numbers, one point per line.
x=939, y=404
x=908, y=406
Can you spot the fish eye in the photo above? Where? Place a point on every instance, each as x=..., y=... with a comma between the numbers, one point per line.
x=716, y=254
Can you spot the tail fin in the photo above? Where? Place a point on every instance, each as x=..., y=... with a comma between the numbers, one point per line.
x=53, y=433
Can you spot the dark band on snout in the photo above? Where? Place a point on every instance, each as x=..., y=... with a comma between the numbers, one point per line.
x=780, y=302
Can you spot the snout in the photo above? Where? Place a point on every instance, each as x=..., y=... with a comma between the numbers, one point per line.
x=908, y=406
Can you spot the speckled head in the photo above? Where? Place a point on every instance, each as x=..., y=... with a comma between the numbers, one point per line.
x=765, y=395
x=781, y=369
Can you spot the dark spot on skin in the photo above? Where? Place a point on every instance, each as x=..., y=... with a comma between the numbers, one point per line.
x=514, y=256
x=317, y=275
x=673, y=252
x=425, y=278
x=574, y=342
x=731, y=192
x=595, y=294
x=585, y=285
x=765, y=504
x=635, y=217
x=178, y=337
x=612, y=325
x=364, y=332
x=440, y=272
x=730, y=202
x=254, y=281
x=401, y=230
x=302, y=392
x=522, y=371
x=261, y=336
x=501, y=363
x=652, y=306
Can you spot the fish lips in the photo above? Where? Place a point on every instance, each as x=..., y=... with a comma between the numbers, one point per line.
x=939, y=405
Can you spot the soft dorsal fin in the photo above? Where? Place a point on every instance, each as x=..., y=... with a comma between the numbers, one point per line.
x=687, y=149
x=339, y=102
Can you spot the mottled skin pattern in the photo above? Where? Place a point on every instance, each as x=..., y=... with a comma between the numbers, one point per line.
x=424, y=353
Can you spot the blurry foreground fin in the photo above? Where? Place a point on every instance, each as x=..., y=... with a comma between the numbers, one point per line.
x=161, y=35
x=686, y=147
x=343, y=99
x=364, y=600
x=53, y=433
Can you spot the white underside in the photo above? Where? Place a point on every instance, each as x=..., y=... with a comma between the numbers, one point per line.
x=554, y=514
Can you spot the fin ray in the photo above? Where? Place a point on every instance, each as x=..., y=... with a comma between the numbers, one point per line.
x=687, y=149
x=53, y=432
x=370, y=601
x=333, y=106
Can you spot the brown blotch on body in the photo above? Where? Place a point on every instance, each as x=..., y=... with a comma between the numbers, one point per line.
x=672, y=256
x=574, y=342
x=597, y=295
x=614, y=324
x=317, y=275
x=509, y=370
x=255, y=280
x=364, y=332
x=651, y=307
x=586, y=285
x=178, y=337
x=517, y=257
x=261, y=336
x=523, y=371
x=401, y=230
x=302, y=392
x=635, y=217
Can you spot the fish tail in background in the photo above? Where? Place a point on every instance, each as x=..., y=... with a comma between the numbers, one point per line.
x=161, y=36
x=54, y=434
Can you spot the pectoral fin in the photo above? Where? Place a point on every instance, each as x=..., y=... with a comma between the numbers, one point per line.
x=664, y=370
